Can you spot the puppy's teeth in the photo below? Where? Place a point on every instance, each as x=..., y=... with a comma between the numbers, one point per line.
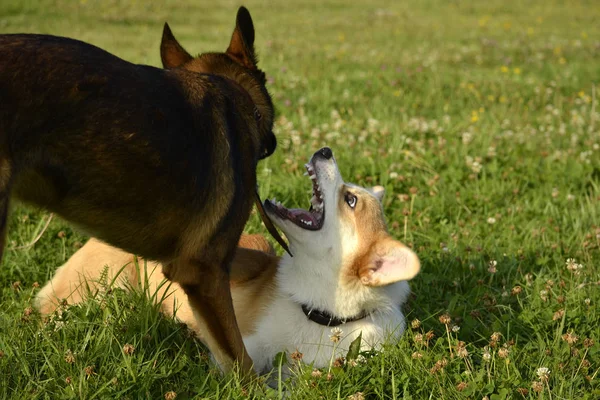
x=306, y=173
x=313, y=177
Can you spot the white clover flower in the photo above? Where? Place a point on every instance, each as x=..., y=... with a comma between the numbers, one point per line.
x=336, y=334
x=467, y=137
x=492, y=267
x=543, y=373
x=487, y=357
x=573, y=266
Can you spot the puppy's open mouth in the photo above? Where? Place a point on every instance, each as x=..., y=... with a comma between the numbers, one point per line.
x=311, y=219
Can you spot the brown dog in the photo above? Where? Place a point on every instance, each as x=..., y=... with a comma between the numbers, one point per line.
x=161, y=163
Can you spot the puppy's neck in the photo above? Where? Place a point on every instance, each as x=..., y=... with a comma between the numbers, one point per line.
x=318, y=285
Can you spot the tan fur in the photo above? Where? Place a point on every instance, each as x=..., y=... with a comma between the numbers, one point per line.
x=371, y=228
x=374, y=241
x=252, y=273
x=256, y=242
x=86, y=265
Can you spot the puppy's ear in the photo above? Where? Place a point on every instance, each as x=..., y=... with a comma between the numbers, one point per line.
x=171, y=52
x=389, y=262
x=241, y=47
x=379, y=192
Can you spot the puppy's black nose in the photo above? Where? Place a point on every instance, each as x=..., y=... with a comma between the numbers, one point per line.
x=326, y=152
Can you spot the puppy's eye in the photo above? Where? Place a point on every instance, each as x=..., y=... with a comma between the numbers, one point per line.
x=350, y=199
x=257, y=115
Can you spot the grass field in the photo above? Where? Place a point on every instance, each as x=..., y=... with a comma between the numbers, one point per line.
x=481, y=119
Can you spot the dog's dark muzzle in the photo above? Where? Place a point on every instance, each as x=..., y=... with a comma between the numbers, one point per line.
x=270, y=146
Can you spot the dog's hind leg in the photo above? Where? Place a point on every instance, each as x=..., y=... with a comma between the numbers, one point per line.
x=206, y=283
x=4, y=198
x=5, y=180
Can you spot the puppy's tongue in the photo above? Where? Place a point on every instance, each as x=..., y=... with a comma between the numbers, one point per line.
x=303, y=215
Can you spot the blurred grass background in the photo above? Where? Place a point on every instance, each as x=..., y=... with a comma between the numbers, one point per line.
x=480, y=119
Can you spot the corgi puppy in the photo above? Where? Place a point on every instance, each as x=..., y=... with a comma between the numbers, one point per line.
x=348, y=276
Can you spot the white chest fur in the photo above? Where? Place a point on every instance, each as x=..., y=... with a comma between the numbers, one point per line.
x=284, y=327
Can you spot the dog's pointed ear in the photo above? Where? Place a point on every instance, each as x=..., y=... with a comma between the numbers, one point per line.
x=171, y=52
x=390, y=262
x=378, y=191
x=241, y=47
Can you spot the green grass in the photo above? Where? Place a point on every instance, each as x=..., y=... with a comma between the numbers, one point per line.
x=481, y=119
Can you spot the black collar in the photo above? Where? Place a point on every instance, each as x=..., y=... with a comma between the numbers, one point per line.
x=326, y=319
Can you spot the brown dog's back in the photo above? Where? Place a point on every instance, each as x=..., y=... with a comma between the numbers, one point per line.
x=102, y=142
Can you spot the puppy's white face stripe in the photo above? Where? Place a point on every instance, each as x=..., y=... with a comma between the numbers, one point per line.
x=338, y=268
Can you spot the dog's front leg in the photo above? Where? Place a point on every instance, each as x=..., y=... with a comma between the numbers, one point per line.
x=207, y=286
